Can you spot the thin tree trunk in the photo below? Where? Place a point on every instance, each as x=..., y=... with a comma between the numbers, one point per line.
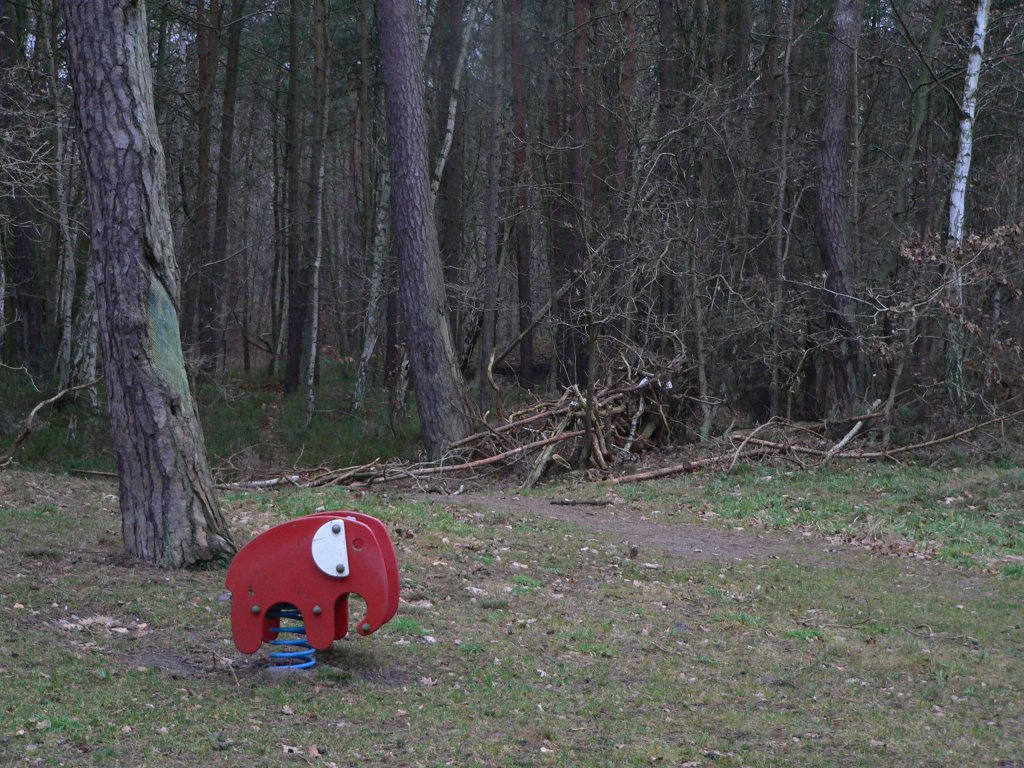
x=573, y=347
x=844, y=346
x=918, y=107
x=957, y=205
x=24, y=282
x=780, y=237
x=490, y=293
x=521, y=222
x=278, y=289
x=66, y=272
x=297, y=288
x=211, y=334
x=169, y=509
x=620, y=180
x=451, y=104
x=315, y=244
x=3, y=311
x=375, y=305
x=440, y=393
x=199, y=324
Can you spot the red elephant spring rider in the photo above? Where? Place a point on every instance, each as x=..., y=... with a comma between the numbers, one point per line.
x=305, y=569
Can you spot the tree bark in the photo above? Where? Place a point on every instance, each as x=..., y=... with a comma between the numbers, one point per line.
x=521, y=222
x=199, y=324
x=169, y=511
x=297, y=289
x=620, y=180
x=957, y=206
x=919, y=90
x=315, y=241
x=64, y=237
x=440, y=392
x=573, y=343
x=490, y=293
x=211, y=301
x=832, y=224
x=374, y=307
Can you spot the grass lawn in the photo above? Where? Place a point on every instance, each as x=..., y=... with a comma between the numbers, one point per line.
x=527, y=641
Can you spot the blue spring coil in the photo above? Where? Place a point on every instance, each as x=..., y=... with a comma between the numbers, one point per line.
x=304, y=655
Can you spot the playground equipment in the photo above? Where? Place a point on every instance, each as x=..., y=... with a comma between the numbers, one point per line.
x=305, y=570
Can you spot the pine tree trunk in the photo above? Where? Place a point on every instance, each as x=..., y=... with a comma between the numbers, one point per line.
x=490, y=270
x=297, y=289
x=440, y=393
x=521, y=223
x=620, y=180
x=85, y=340
x=170, y=515
x=199, y=325
x=832, y=224
x=211, y=335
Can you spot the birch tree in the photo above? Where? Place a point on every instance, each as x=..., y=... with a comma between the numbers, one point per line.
x=957, y=200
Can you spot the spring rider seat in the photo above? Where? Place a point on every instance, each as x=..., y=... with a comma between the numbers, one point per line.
x=305, y=569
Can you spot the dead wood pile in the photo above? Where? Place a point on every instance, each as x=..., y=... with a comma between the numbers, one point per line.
x=568, y=432
x=608, y=434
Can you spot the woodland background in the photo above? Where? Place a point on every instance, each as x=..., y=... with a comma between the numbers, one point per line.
x=747, y=201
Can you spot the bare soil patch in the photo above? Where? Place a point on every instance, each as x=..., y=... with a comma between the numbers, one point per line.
x=643, y=529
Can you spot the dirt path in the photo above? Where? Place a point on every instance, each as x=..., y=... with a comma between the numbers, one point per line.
x=678, y=539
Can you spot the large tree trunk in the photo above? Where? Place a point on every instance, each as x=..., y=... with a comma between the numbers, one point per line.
x=440, y=391
x=169, y=511
x=85, y=340
x=844, y=344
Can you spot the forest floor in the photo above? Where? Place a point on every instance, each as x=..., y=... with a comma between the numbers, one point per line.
x=852, y=616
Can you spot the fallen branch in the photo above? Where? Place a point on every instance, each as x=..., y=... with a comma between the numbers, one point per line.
x=835, y=449
x=748, y=438
x=678, y=469
x=885, y=454
x=497, y=457
x=93, y=473
x=273, y=482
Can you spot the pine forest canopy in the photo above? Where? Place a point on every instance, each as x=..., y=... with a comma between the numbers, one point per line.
x=751, y=199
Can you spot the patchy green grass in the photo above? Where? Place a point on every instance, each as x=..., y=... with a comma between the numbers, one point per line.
x=519, y=642
x=965, y=515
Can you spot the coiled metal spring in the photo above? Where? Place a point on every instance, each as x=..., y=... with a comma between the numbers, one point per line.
x=302, y=655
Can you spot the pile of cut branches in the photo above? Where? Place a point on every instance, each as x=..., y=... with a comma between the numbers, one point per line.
x=602, y=436
x=569, y=432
